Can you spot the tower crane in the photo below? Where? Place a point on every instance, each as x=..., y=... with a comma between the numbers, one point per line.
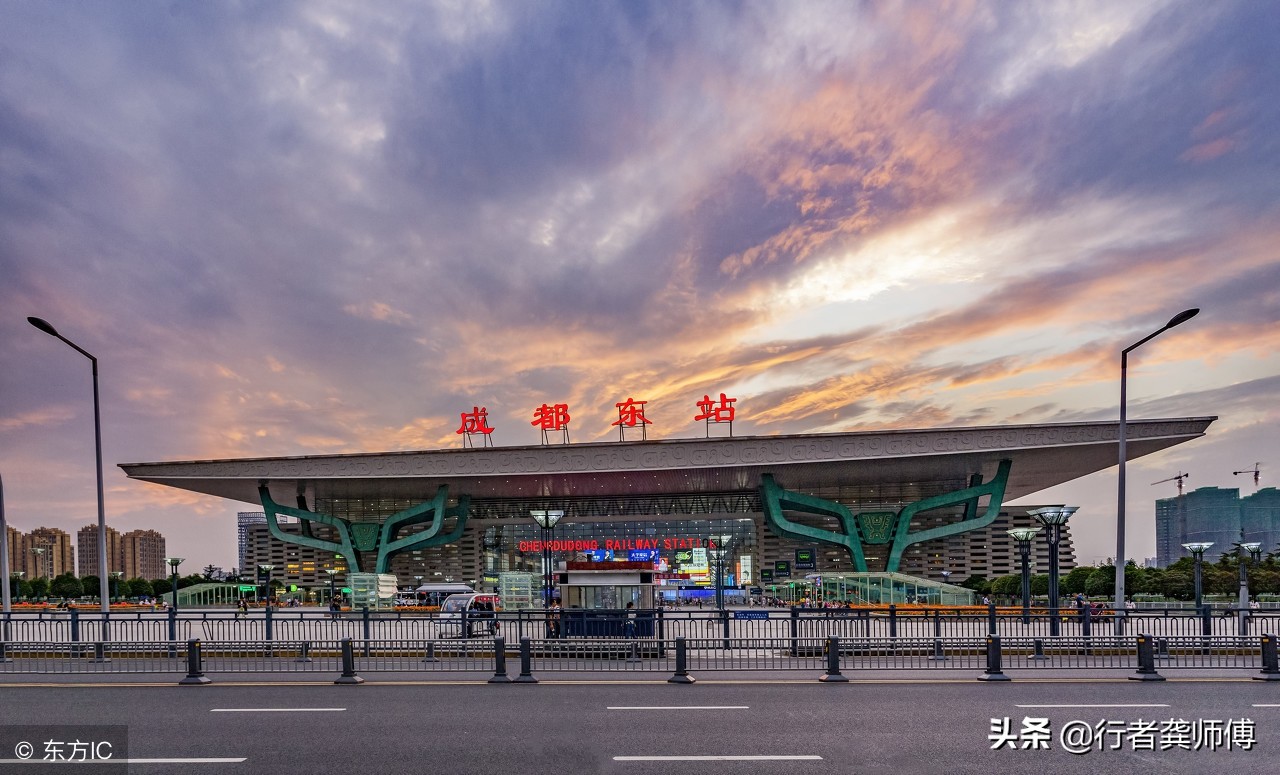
x=1179, y=479
x=1256, y=471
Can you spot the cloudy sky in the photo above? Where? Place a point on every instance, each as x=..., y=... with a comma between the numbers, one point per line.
x=326, y=227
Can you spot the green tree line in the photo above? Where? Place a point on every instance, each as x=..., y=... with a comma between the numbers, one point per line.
x=1176, y=582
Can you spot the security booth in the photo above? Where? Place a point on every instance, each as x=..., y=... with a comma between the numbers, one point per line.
x=594, y=597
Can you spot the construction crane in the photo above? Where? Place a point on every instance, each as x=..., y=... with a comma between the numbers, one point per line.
x=1256, y=471
x=1179, y=479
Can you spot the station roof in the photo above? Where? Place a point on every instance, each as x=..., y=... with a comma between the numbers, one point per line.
x=913, y=463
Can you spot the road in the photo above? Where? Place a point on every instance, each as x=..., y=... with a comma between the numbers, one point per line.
x=464, y=728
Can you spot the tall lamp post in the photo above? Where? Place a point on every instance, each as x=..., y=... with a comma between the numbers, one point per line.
x=717, y=559
x=1053, y=517
x=1254, y=549
x=1176, y=320
x=39, y=551
x=116, y=575
x=265, y=569
x=417, y=582
x=1197, y=550
x=5, y=593
x=332, y=590
x=1024, y=535
x=547, y=519
x=174, y=562
x=103, y=592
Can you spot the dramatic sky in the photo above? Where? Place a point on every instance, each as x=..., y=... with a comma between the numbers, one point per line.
x=326, y=227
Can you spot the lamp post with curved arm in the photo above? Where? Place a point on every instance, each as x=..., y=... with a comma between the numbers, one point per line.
x=103, y=591
x=1176, y=320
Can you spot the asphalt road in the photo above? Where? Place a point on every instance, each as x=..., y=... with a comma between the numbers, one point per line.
x=463, y=728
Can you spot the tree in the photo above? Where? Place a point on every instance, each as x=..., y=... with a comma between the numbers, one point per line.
x=66, y=585
x=137, y=587
x=90, y=584
x=977, y=583
x=38, y=588
x=211, y=572
x=1102, y=582
x=1040, y=584
x=1178, y=583
x=161, y=587
x=1009, y=586
x=190, y=581
x=1073, y=583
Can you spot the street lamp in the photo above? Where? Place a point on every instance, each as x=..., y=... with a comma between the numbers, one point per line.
x=6, y=601
x=546, y=519
x=1053, y=517
x=174, y=562
x=1176, y=320
x=1254, y=549
x=717, y=559
x=265, y=570
x=1024, y=535
x=1197, y=550
x=39, y=551
x=332, y=590
x=97, y=446
x=116, y=575
x=417, y=582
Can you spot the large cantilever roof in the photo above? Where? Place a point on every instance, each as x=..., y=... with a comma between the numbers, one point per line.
x=916, y=462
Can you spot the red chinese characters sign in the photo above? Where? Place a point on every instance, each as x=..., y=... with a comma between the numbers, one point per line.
x=631, y=413
x=475, y=421
x=711, y=411
x=553, y=417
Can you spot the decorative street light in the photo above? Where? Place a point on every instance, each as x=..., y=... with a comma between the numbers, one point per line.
x=547, y=519
x=39, y=551
x=97, y=445
x=417, y=582
x=717, y=560
x=1176, y=320
x=116, y=575
x=1053, y=517
x=1024, y=535
x=1197, y=550
x=332, y=591
x=1254, y=549
x=174, y=562
x=265, y=569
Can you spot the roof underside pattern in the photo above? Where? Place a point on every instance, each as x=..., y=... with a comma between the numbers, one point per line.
x=866, y=468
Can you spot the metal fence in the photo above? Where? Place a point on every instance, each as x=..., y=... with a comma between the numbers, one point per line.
x=753, y=623
x=1143, y=655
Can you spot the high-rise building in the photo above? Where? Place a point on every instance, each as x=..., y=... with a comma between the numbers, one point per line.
x=1218, y=516
x=87, y=551
x=49, y=553
x=143, y=552
x=1260, y=518
x=245, y=520
x=15, y=544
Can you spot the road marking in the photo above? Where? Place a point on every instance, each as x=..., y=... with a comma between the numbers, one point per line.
x=716, y=758
x=1266, y=706
x=1152, y=705
x=132, y=761
x=678, y=707
x=275, y=710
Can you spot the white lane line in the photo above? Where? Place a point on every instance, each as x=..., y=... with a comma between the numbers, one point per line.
x=716, y=758
x=275, y=710
x=1256, y=705
x=128, y=761
x=1151, y=705
x=678, y=707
